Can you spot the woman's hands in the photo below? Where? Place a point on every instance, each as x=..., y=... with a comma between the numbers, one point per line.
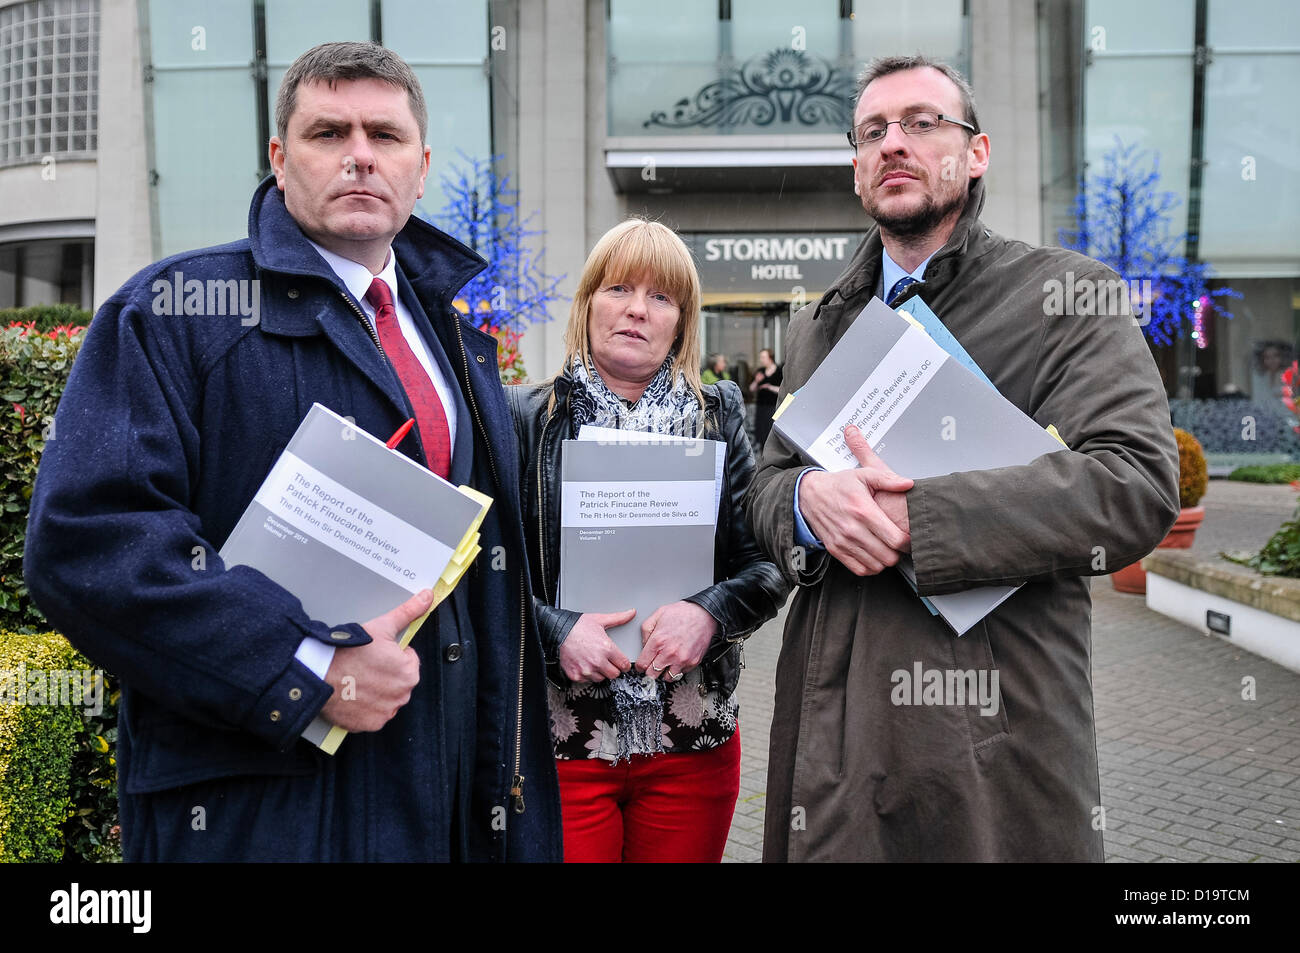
x=588, y=654
x=674, y=640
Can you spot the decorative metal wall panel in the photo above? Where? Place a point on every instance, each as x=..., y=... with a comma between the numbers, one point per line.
x=783, y=86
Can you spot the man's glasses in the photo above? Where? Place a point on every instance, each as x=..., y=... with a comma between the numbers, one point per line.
x=917, y=124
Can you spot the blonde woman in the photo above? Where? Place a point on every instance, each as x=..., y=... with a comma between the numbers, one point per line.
x=647, y=749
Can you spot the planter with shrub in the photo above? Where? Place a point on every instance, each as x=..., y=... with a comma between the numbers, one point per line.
x=1193, y=480
x=1255, y=604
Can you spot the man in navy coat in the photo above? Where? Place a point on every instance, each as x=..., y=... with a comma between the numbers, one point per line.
x=174, y=413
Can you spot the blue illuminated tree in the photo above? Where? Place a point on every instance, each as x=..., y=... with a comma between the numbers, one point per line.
x=513, y=291
x=1123, y=221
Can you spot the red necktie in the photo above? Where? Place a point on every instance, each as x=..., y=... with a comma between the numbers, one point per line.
x=429, y=415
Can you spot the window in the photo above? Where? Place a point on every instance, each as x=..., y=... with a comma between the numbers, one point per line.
x=211, y=82
x=46, y=272
x=49, y=80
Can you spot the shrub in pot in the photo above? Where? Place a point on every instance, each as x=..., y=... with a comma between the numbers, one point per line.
x=1193, y=479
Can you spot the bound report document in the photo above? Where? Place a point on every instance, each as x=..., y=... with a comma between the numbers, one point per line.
x=636, y=526
x=923, y=410
x=354, y=529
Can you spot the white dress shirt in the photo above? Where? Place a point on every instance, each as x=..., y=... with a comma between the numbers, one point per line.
x=357, y=278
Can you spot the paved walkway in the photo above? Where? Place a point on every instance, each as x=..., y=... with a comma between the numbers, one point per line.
x=1190, y=771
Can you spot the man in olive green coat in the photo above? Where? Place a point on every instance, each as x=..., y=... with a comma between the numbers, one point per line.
x=858, y=769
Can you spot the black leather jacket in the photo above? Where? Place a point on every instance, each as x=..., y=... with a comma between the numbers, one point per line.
x=749, y=590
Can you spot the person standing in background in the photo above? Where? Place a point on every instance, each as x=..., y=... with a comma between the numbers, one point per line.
x=716, y=371
x=765, y=386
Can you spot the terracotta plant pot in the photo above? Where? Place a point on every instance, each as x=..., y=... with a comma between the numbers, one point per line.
x=1133, y=579
x=1180, y=537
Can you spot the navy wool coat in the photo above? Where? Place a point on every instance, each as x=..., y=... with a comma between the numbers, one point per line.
x=166, y=430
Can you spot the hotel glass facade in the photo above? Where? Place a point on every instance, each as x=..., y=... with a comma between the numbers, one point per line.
x=49, y=66
x=753, y=97
x=724, y=118
x=214, y=73
x=1206, y=88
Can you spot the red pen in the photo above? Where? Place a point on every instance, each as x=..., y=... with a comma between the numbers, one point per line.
x=400, y=435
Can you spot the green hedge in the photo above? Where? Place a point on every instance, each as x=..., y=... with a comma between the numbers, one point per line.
x=33, y=371
x=58, y=778
x=1267, y=473
x=46, y=317
x=57, y=787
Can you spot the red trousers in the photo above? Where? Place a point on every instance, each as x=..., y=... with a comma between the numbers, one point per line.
x=665, y=808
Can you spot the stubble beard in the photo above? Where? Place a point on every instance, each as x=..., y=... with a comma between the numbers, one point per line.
x=920, y=222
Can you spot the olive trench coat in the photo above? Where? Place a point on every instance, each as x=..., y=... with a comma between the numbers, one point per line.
x=863, y=764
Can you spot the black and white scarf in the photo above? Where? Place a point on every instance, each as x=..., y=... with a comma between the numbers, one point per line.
x=666, y=406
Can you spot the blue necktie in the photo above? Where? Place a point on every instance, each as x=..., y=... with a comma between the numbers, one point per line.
x=939, y=333
x=901, y=285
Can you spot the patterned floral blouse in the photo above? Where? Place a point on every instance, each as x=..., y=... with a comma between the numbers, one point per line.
x=695, y=719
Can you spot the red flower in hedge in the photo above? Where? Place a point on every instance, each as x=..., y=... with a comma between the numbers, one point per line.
x=29, y=327
x=1288, y=389
x=22, y=413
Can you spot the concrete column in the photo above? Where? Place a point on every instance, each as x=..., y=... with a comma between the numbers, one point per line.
x=122, y=207
x=1004, y=74
x=553, y=156
x=605, y=207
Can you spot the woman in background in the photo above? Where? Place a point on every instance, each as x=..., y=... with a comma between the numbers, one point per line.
x=765, y=386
